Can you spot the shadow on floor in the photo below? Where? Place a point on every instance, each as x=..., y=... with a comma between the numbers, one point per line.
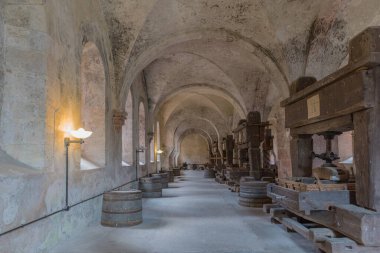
x=169, y=196
x=149, y=223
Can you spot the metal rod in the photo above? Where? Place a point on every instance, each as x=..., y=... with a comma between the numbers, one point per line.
x=67, y=177
x=61, y=210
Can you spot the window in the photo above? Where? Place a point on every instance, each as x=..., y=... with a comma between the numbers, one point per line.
x=127, y=134
x=141, y=133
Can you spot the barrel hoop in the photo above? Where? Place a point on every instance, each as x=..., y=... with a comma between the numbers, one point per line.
x=120, y=212
x=121, y=198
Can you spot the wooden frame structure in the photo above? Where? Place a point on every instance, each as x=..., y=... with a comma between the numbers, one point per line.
x=348, y=99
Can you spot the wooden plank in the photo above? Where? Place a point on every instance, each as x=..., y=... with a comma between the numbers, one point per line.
x=338, y=245
x=371, y=61
x=357, y=223
x=267, y=207
x=307, y=201
x=322, y=200
x=363, y=224
x=319, y=234
x=296, y=226
x=353, y=88
x=342, y=124
x=279, y=213
x=301, y=147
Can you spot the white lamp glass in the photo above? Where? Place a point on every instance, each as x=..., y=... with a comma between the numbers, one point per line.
x=80, y=133
x=160, y=151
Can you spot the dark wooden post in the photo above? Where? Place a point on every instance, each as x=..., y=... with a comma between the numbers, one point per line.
x=301, y=147
x=229, y=149
x=367, y=150
x=255, y=135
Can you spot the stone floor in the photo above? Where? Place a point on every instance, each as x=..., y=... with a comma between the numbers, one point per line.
x=195, y=215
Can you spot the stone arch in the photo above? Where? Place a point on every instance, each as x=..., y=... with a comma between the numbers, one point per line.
x=270, y=63
x=127, y=133
x=199, y=88
x=93, y=109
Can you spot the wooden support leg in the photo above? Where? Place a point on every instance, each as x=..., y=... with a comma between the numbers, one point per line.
x=267, y=207
x=301, y=147
x=366, y=150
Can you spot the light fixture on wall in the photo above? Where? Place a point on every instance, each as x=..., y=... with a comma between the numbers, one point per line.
x=158, y=152
x=80, y=134
x=138, y=150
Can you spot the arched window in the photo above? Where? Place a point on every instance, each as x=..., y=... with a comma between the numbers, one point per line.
x=158, y=139
x=142, y=133
x=127, y=134
x=93, y=107
x=151, y=151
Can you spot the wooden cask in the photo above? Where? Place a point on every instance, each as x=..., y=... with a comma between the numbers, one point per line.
x=121, y=208
x=164, y=178
x=151, y=187
x=209, y=173
x=177, y=172
x=253, y=193
x=171, y=176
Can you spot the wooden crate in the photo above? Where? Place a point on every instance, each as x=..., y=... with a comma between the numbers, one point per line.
x=307, y=201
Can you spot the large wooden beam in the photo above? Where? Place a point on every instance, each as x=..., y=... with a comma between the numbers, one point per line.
x=367, y=150
x=301, y=147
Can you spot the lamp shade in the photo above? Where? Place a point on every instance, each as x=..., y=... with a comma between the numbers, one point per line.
x=160, y=151
x=80, y=133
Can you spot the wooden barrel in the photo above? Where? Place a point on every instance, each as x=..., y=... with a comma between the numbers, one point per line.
x=176, y=172
x=164, y=178
x=122, y=208
x=151, y=187
x=253, y=193
x=209, y=173
x=170, y=176
x=247, y=179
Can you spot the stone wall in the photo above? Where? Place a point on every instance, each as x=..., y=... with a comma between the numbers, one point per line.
x=194, y=149
x=23, y=113
x=41, y=95
x=2, y=38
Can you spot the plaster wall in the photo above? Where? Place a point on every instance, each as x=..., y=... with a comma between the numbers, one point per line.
x=127, y=132
x=44, y=41
x=194, y=149
x=2, y=38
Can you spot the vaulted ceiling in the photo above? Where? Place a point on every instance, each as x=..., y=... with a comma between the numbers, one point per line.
x=207, y=63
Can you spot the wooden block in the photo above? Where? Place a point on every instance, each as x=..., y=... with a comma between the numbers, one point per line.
x=319, y=234
x=307, y=201
x=363, y=225
x=296, y=226
x=338, y=245
x=279, y=212
x=363, y=44
x=267, y=207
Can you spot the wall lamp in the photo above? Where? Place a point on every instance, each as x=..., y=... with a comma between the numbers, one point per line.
x=158, y=152
x=80, y=134
x=138, y=150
